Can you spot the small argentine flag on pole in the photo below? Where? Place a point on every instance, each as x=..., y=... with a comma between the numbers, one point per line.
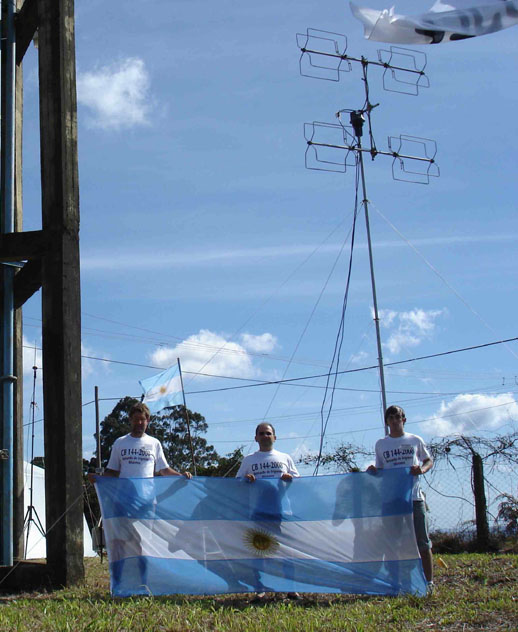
x=163, y=389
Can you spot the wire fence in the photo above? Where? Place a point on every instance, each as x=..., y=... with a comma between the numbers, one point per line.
x=450, y=497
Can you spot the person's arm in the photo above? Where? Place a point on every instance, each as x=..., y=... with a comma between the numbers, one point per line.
x=242, y=471
x=424, y=456
x=379, y=461
x=107, y=472
x=291, y=473
x=426, y=465
x=168, y=471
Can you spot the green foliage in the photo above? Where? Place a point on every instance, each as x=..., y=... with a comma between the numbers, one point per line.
x=225, y=466
x=170, y=428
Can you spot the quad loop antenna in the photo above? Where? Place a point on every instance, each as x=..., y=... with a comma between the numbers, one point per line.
x=330, y=147
x=323, y=54
x=335, y=146
x=419, y=167
x=404, y=70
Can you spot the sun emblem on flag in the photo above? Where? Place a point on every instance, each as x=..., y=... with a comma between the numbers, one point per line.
x=260, y=542
x=163, y=389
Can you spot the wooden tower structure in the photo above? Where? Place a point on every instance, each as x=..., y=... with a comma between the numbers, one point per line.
x=46, y=259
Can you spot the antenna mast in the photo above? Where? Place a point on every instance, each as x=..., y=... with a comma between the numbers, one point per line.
x=334, y=147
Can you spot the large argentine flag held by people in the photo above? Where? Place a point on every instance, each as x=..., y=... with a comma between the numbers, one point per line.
x=349, y=533
x=163, y=389
x=446, y=21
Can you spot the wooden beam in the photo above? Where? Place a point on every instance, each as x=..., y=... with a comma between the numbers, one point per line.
x=32, y=244
x=61, y=303
x=26, y=282
x=26, y=25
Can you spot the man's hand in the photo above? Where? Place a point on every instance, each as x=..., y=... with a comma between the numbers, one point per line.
x=372, y=469
x=417, y=470
x=250, y=478
x=187, y=474
x=287, y=477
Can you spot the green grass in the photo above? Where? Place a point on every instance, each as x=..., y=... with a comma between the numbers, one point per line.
x=475, y=592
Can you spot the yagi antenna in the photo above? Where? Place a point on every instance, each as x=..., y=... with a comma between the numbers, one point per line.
x=337, y=146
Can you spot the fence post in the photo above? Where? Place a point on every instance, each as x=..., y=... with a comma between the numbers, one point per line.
x=480, y=502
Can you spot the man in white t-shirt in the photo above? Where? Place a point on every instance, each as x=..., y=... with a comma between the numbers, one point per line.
x=402, y=449
x=269, y=463
x=136, y=455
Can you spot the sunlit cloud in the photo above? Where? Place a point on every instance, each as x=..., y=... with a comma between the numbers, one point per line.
x=265, y=343
x=116, y=95
x=208, y=352
x=408, y=329
x=31, y=356
x=471, y=413
x=89, y=366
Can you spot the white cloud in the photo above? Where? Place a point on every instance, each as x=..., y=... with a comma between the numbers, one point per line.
x=117, y=95
x=472, y=412
x=359, y=358
x=259, y=344
x=209, y=352
x=88, y=366
x=31, y=356
x=203, y=257
x=411, y=328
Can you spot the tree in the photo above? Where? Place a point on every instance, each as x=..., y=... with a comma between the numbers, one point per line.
x=170, y=428
x=115, y=425
x=343, y=458
x=225, y=466
x=478, y=451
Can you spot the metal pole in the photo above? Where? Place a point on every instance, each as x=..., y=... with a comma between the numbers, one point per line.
x=187, y=419
x=97, y=428
x=7, y=226
x=357, y=121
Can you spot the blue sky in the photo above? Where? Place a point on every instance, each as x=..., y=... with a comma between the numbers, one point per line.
x=203, y=236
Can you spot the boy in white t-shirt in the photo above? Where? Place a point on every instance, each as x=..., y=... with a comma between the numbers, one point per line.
x=402, y=449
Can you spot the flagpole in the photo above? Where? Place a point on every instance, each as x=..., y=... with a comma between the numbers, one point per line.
x=187, y=418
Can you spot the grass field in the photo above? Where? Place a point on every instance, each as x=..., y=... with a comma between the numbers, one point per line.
x=474, y=592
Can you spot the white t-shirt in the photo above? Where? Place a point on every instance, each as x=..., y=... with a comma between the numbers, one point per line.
x=137, y=457
x=272, y=464
x=404, y=451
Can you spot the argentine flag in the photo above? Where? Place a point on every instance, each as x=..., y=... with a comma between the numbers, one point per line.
x=445, y=21
x=348, y=533
x=163, y=389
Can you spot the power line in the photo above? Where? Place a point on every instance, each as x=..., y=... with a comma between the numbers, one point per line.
x=295, y=379
x=345, y=432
